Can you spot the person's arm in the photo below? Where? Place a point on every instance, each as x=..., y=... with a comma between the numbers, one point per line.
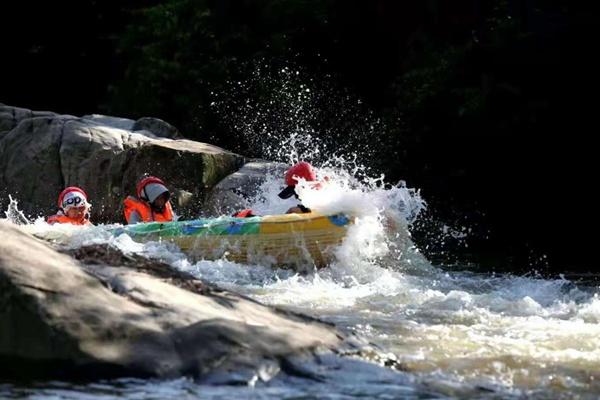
x=134, y=218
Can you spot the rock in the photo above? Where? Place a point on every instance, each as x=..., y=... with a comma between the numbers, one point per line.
x=45, y=153
x=157, y=127
x=112, y=315
x=231, y=193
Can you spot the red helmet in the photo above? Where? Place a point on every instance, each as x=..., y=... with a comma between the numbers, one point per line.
x=147, y=181
x=300, y=170
x=72, y=189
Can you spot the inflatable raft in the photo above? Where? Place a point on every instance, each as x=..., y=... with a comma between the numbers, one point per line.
x=279, y=240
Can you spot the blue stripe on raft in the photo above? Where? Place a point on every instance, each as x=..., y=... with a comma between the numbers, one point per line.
x=192, y=228
x=339, y=220
x=234, y=228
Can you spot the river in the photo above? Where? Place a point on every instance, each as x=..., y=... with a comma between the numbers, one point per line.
x=454, y=333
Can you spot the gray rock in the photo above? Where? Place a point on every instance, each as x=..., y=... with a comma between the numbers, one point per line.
x=65, y=318
x=156, y=127
x=43, y=154
x=231, y=193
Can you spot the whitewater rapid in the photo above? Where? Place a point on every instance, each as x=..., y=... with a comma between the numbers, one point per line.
x=456, y=333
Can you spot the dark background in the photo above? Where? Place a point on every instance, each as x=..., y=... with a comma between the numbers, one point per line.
x=487, y=106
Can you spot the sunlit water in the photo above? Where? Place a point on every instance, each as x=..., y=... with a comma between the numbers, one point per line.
x=457, y=334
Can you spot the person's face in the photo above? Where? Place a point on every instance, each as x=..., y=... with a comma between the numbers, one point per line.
x=161, y=200
x=77, y=213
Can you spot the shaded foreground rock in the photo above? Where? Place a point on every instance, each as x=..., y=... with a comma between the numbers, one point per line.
x=63, y=318
x=42, y=152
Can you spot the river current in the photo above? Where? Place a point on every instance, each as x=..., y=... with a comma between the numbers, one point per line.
x=453, y=333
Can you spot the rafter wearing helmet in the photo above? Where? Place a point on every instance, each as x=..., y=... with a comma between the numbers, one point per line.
x=300, y=170
x=151, y=203
x=73, y=208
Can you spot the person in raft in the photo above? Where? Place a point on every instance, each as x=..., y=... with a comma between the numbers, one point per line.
x=300, y=170
x=73, y=208
x=151, y=204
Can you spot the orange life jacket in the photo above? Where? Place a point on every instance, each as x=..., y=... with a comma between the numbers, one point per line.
x=247, y=213
x=63, y=219
x=145, y=211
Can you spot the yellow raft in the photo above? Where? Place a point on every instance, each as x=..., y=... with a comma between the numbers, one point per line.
x=279, y=240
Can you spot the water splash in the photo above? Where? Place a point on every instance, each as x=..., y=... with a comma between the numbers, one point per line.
x=284, y=114
x=13, y=214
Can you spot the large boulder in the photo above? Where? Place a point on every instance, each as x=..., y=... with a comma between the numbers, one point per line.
x=100, y=317
x=231, y=193
x=42, y=154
